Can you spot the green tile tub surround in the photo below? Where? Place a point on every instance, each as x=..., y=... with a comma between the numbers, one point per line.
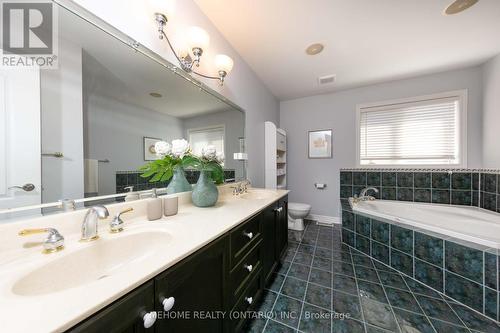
x=374, y=179
x=388, y=193
x=464, y=291
x=404, y=179
x=461, y=181
x=429, y=249
x=359, y=178
x=389, y=179
x=380, y=231
x=489, y=183
x=348, y=220
x=363, y=225
x=402, y=262
x=441, y=180
x=362, y=243
x=422, y=179
x=404, y=194
x=345, y=191
x=463, y=198
x=345, y=178
x=429, y=274
x=491, y=303
x=489, y=201
x=380, y=252
x=441, y=196
x=491, y=270
x=402, y=239
x=466, y=261
x=422, y=195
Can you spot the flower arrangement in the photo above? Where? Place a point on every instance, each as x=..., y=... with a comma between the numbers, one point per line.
x=210, y=160
x=179, y=154
x=171, y=156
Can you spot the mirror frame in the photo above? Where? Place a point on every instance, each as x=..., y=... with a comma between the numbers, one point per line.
x=134, y=45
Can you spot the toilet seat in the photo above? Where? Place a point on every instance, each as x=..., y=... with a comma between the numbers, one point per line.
x=299, y=206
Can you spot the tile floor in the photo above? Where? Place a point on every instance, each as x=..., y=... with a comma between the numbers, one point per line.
x=325, y=286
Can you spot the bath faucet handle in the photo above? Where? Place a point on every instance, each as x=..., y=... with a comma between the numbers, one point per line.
x=54, y=241
x=116, y=225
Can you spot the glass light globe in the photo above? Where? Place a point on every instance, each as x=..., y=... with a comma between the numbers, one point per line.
x=165, y=7
x=223, y=63
x=198, y=38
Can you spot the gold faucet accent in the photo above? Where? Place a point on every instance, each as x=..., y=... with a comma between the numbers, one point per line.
x=54, y=241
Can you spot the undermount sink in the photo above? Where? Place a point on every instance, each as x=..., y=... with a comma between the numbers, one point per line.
x=104, y=258
x=257, y=195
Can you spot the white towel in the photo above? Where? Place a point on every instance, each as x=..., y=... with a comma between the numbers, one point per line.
x=91, y=176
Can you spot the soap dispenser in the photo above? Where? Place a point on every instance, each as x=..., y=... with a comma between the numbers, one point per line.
x=155, y=208
x=131, y=196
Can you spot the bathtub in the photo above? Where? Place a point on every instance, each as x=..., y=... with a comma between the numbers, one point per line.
x=469, y=224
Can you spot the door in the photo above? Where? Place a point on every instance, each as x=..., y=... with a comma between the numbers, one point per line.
x=193, y=292
x=19, y=137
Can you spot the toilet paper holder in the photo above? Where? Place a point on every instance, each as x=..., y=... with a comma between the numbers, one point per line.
x=320, y=186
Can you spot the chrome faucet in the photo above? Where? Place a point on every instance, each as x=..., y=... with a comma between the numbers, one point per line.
x=363, y=196
x=245, y=185
x=89, y=226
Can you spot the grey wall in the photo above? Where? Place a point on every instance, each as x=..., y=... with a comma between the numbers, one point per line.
x=234, y=122
x=242, y=86
x=115, y=131
x=491, y=113
x=62, y=130
x=338, y=112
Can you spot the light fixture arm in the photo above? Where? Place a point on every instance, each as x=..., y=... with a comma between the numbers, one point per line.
x=186, y=63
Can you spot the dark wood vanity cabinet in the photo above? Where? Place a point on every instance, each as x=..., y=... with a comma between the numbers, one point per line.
x=226, y=276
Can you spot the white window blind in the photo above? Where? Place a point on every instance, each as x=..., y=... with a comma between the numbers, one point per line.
x=421, y=132
x=200, y=138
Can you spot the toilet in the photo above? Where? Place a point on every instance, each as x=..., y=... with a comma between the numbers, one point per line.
x=296, y=214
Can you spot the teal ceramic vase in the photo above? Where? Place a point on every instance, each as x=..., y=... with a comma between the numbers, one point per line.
x=179, y=182
x=205, y=193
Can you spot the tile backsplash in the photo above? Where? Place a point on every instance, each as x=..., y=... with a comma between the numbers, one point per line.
x=133, y=178
x=468, y=187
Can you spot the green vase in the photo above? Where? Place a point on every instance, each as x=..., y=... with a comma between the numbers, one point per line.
x=179, y=182
x=205, y=193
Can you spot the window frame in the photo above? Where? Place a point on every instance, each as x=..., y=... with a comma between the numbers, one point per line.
x=462, y=126
x=208, y=128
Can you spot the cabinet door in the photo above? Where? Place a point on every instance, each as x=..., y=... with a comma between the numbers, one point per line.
x=123, y=316
x=197, y=287
x=282, y=227
x=269, y=223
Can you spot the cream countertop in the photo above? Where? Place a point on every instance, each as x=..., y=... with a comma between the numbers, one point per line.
x=189, y=230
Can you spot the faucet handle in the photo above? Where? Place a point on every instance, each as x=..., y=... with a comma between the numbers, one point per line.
x=54, y=241
x=116, y=225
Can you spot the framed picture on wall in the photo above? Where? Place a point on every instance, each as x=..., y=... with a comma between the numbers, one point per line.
x=320, y=144
x=149, y=148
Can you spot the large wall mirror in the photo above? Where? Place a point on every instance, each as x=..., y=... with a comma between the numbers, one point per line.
x=83, y=130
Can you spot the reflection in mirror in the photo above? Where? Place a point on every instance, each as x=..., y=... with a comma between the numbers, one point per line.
x=84, y=128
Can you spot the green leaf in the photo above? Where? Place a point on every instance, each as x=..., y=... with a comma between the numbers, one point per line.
x=156, y=178
x=167, y=175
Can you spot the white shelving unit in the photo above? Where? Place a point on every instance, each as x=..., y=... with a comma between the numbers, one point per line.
x=275, y=156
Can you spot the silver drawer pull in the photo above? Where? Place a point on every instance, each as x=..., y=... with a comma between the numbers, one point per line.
x=249, y=300
x=248, y=267
x=248, y=234
x=168, y=303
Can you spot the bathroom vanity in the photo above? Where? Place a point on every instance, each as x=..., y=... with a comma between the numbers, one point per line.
x=201, y=265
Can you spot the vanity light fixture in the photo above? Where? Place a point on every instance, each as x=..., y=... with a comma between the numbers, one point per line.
x=189, y=57
x=155, y=94
x=459, y=6
x=314, y=49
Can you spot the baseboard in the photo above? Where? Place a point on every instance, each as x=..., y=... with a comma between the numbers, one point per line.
x=324, y=219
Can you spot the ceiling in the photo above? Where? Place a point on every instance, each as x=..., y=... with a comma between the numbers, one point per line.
x=365, y=41
x=118, y=72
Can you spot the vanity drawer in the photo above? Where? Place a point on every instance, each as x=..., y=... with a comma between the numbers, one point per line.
x=124, y=315
x=246, y=302
x=244, y=237
x=244, y=271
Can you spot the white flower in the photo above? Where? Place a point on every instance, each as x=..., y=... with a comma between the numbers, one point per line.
x=220, y=157
x=180, y=148
x=162, y=148
x=209, y=152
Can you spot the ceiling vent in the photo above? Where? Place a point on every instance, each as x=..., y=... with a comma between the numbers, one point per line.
x=327, y=79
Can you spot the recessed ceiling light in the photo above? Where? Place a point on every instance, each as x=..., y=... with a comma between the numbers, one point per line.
x=459, y=6
x=155, y=95
x=314, y=49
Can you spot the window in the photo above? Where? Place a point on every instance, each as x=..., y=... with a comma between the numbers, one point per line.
x=427, y=130
x=202, y=137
